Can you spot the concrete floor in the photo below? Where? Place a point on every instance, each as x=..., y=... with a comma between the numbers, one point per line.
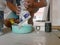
x=33, y=38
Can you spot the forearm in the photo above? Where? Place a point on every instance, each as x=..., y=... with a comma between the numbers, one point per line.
x=11, y=6
x=40, y=4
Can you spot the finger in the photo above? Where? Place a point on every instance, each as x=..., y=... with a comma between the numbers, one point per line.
x=17, y=12
x=18, y=7
x=26, y=4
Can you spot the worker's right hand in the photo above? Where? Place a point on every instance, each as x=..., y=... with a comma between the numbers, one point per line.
x=28, y=3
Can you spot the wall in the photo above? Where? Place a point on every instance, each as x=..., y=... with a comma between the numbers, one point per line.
x=55, y=12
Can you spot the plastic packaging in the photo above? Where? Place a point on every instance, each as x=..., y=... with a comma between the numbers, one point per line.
x=24, y=14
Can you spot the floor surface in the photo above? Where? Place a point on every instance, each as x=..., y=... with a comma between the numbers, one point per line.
x=41, y=38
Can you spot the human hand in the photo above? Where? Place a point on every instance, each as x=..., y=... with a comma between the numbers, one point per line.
x=18, y=10
x=28, y=3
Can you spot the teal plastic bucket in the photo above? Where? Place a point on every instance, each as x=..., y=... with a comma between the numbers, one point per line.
x=24, y=29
